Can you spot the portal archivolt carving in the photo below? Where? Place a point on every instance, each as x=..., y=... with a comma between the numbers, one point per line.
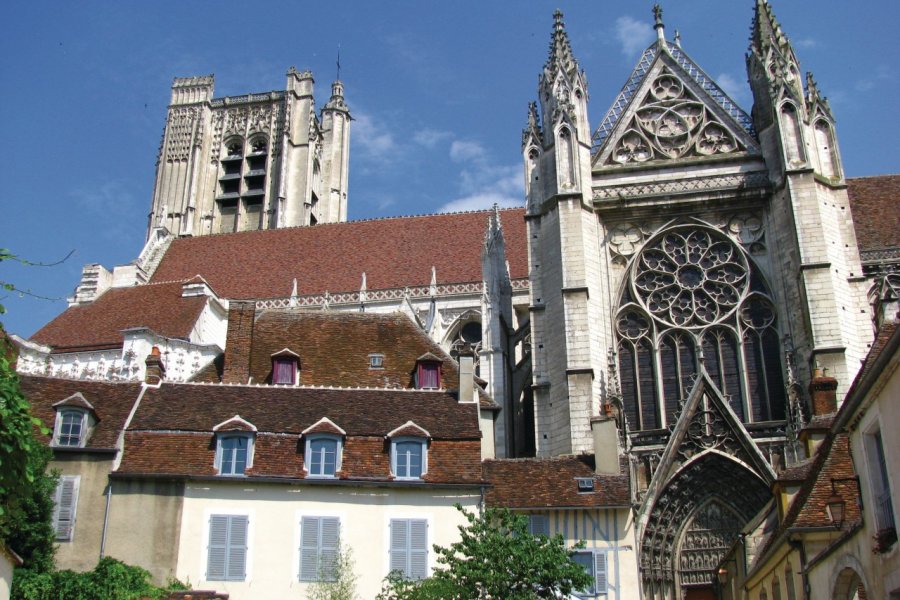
x=672, y=123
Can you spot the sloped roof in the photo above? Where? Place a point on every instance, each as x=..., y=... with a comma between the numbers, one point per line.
x=550, y=483
x=334, y=348
x=99, y=325
x=875, y=204
x=359, y=412
x=111, y=403
x=172, y=431
x=394, y=253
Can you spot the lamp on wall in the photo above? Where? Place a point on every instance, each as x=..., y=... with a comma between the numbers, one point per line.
x=835, y=505
x=722, y=572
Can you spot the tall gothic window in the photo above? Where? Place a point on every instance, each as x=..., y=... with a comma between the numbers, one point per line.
x=692, y=299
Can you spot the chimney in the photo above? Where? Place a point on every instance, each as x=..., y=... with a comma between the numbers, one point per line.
x=823, y=393
x=156, y=370
x=606, y=445
x=466, y=375
x=238, y=342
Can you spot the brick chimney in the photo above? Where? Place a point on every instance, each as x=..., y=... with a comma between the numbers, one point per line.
x=238, y=342
x=823, y=394
x=155, y=369
x=466, y=375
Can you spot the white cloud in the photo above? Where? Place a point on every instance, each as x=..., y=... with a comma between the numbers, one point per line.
x=735, y=89
x=806, y=43
x=371, y=138
x=466, y=151
x=430, y=138
x=480, y=202
x=633, y=35
x=882, y=73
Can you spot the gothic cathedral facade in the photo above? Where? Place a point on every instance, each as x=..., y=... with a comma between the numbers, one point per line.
x=690, y=265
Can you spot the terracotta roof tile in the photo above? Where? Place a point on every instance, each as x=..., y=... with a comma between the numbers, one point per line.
x=874, y=203
x=394, y=253
x=334, y=348
x=550, y=483
x=195, y=407
x=171, y=433
x=99, y=325
x=112, y=403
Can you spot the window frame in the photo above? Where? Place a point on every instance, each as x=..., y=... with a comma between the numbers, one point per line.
x=539, y=524
x=285, y=359
x=428, y=366
x=228, y=547
x=59, y=423
x=221, y=438
x=308, y=454
x=408, y=551
x=595, y=589
x=423, y=445
x=320, y=547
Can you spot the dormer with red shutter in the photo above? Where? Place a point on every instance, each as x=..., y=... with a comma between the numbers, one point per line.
x=428, y=372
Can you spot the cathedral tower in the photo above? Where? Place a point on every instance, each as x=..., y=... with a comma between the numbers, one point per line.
x=257, y=161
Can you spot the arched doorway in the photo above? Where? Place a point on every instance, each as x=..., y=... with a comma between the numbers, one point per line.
x=849, y=586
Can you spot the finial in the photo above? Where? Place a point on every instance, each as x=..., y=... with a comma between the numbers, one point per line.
x=558, y=20
x=658, y=25
x=338, y=78
x=678, y=38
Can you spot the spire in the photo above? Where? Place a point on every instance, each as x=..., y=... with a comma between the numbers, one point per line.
x=814, y=99
x=767, y=31
x=658, y=23
x=532, y=133
x=561, y=57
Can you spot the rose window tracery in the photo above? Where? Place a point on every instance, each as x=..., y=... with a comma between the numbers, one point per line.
x=692, y=300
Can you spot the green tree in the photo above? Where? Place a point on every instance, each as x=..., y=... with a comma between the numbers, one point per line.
x=496, y=557
x=337, y=580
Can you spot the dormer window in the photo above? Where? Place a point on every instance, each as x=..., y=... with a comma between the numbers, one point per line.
x=71, y=426
x=324, y=448
x=74, y=419
x=376, y=361
x=234, y=446
x=285, y=365
x=409, y=451
x=428, y=372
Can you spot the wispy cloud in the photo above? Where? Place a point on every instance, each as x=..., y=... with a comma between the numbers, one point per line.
x=371, y=139
x=111, y=204
x=806, y=43
x=882, y=73
x=482, y=182
x=735, y=89
x=633, y=35
x=429, y=138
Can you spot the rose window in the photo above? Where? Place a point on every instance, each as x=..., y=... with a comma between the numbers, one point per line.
x=690, y=278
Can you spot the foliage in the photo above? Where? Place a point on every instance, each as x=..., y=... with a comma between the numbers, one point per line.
x=11, y=287
x=26, y=491
x=337, y=581
x=110, y=580
x=496, y=557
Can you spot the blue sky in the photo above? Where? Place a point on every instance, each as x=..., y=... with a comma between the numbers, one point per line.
x=439, y=91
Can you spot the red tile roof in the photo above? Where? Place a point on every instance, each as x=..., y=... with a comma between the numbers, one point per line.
x=874, y=202
x=334, y=348
x=172, y=431
x=394, y=253
x=550, y=483
x=112, y=403
x=99, y=325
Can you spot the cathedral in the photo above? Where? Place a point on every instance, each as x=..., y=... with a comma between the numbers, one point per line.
x=681, y=279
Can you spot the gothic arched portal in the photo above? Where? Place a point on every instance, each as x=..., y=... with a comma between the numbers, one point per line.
x=694, y=521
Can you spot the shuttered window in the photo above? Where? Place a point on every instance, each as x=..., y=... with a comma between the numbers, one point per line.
x=65, y=502
x=594, y=564
x=319, y=543
x=409, y=547
x=539, y=525
x=227, y=550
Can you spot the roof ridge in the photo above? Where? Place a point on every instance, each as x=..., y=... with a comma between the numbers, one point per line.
x=257, y=386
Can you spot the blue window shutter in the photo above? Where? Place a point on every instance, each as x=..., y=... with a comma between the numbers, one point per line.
x=218, y=544
x=64, y=511
x=329, y=535
x=600, y=573
x=237, y=550
x=399, y=551
x=418, y=549
x=309, y=549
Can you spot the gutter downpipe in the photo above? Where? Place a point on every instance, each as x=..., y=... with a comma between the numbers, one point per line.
x=105, y=518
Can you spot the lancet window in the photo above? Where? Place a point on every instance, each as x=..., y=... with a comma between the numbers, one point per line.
x=693, y=299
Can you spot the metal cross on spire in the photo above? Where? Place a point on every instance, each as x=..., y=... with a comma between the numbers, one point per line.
x=338, y=78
